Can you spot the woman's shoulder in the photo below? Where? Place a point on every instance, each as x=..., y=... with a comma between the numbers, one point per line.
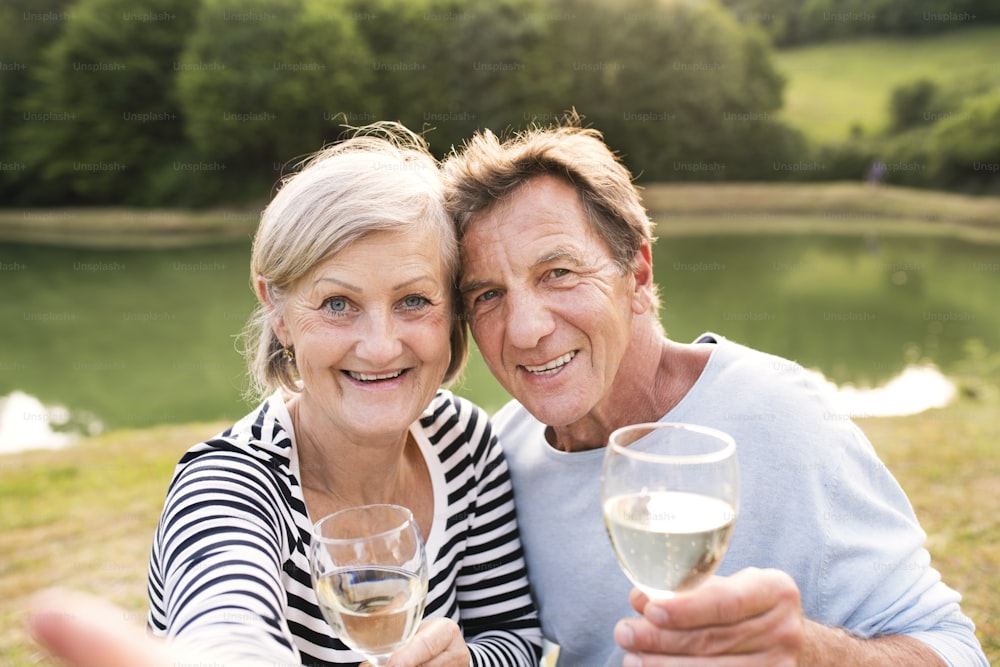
x=449, y=408
x=452, y=422
x=258, y=446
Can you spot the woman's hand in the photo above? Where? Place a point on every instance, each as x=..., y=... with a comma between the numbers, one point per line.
x=437, y=643
x=86, y=631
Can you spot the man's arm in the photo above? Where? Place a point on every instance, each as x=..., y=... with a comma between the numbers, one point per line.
x=823, y=645
x=757, y=616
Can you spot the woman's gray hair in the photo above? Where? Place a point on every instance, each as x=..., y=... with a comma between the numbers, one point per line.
x=383, y=179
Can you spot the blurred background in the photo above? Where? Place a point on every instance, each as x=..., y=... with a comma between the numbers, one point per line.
x=824, y=175
x=140, y=141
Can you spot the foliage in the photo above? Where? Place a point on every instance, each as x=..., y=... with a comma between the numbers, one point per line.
x=790, y=22
x=913, y=104
x=899, y=96
x=102, y=110
x=449, y=68
x=208, y=102
x=26, y=26
x=966, y=146
x=260, y=84
x=680, y=88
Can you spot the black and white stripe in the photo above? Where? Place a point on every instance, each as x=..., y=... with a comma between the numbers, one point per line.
x=229, y=568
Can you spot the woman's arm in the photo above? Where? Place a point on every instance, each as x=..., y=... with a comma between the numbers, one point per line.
x=85, y=631
x=215, y=566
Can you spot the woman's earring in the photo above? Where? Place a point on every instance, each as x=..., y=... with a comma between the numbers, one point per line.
x=288, y=354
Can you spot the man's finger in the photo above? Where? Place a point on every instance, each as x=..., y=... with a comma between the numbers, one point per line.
x=725, y=600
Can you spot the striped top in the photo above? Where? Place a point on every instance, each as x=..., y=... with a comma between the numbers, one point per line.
x=229, y=567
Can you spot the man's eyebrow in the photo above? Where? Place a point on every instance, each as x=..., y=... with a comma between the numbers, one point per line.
x=559, y=254
x=466, y=287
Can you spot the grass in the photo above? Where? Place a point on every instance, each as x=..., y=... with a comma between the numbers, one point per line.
x=832, y=87
x=83, y=517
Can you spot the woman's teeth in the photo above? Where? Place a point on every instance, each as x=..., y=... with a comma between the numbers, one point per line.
x=372, y=377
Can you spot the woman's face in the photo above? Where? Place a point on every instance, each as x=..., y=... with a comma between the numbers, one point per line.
x=371, y=331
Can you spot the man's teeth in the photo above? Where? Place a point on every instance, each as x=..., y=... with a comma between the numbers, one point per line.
x=552, y=366
x=368, y=377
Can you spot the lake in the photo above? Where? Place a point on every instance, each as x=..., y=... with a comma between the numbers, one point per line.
x=123, y=339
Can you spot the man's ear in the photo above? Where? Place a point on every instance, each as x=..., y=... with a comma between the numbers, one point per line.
x=642, y=273
x=266, y=299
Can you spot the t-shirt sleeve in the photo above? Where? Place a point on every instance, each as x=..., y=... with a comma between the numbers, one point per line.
x=216, y=561
x=498, y=615
x=818, y=503
x=875, y=572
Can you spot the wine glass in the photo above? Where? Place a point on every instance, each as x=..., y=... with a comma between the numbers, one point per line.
x=669, y=493
x=369, y=572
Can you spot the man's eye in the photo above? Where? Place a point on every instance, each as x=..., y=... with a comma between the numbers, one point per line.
x=415, y=301
x=336, y=304
x=559, y=273
x=488, y=295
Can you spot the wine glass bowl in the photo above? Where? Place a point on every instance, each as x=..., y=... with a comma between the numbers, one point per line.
x=369, y=572
x=670, y=494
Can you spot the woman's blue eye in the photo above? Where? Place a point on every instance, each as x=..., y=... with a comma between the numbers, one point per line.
x=414, y=301
x=337, y=304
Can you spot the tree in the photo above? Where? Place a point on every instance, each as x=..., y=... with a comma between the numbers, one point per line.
x=102, y=110
x=26, y=28
x=263, y=82
x=680, y=88
x=451, y=67
x=966, y=146
x=801, y=21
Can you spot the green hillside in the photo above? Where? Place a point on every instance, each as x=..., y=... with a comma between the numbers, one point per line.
x=832, y=87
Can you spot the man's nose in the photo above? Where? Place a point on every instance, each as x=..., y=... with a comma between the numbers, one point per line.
x=528, y=319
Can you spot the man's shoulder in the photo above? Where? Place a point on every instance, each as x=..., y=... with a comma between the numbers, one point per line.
x=763, y=370
x=512, y=417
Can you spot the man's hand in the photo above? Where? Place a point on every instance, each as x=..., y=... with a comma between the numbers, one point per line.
x=753, y=618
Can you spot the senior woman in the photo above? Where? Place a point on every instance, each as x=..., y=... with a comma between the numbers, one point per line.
x=354, y=265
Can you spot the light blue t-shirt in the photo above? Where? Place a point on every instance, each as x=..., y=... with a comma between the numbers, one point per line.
x=815, y=502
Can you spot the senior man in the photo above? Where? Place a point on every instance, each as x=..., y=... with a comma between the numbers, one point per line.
x=826, y=565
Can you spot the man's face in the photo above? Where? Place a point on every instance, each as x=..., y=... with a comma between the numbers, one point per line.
x=550, y=311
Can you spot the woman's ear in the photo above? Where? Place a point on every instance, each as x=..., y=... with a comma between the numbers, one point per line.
x=642, y=273
x=266, y=298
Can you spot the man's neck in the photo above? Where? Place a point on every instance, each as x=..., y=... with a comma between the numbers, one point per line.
x=643, y=391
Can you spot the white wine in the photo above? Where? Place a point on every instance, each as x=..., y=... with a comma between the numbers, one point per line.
x=374, y=610
x=666, y=540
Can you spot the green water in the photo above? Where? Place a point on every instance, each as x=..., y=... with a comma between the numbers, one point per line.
x=143, y=337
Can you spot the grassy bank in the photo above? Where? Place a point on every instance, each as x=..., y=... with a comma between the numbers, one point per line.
x=727, y=207
x=125, y=228
x=83, y=517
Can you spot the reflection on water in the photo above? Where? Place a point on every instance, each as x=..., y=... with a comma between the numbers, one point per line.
x=25, y=423
x=916, y=389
